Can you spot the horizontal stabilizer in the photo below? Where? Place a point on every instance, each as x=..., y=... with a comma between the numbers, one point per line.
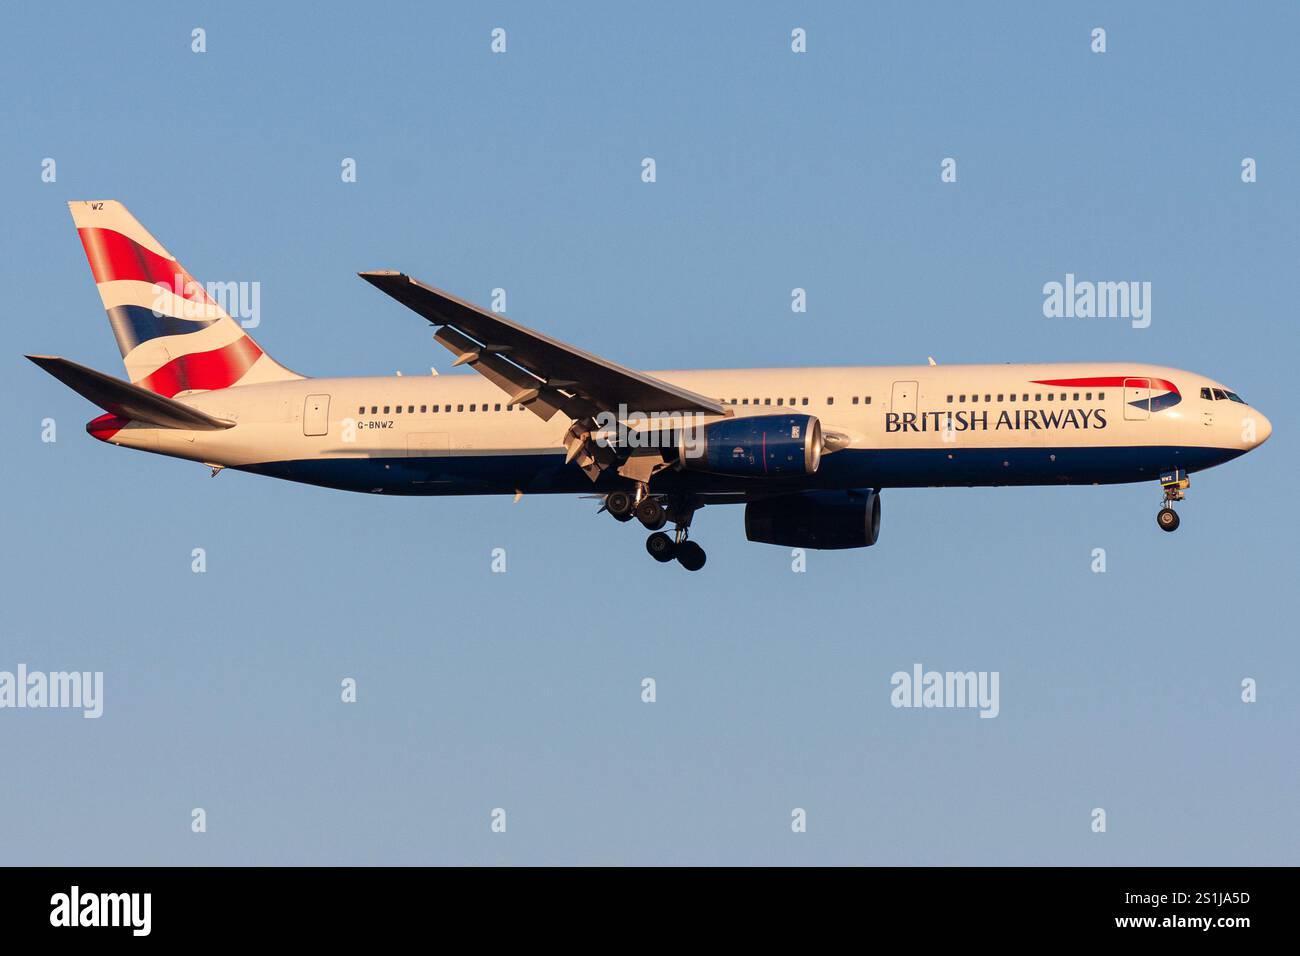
x=126, y=400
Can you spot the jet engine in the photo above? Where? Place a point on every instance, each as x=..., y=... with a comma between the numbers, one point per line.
x=821, y=520
x=757, y=447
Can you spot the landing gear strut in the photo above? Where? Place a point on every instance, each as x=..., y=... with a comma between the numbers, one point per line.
x=1175, y=484
x=654, y=512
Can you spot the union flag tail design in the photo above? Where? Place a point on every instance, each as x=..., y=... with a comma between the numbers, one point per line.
x=174, y=337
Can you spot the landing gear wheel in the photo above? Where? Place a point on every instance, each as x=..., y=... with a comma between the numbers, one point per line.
x=690, y=556
x=651, y=514
x=619, y=504
x=661, y=547
x=1167, y=518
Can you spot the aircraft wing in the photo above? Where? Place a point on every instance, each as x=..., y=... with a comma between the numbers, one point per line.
x=542, y=373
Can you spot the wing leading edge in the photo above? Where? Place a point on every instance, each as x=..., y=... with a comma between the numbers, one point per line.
x=542, y=373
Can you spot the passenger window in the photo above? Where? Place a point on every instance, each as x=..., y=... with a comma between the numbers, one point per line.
x=398, y=410
x=867, y=400
x=999, y=397
x=830, y=399
x=460, y=408
x=855, y=399
x=962, y=399
x=744, y=401
x=780, y=401
x=385, y=409
x=1101, y=396
x=767, y=401
x=435, y=409
x=805, y=401
x=361, y=410
x=1038, y=397
x=498, y=408
x=1012, y=396
x=988, y=398
x=1024, y=397
x=1076, y=396
x=1050, y=396
x=1088, y=397
x=446, y=408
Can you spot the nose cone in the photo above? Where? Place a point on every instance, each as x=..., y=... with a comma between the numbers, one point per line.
x=1263, y=428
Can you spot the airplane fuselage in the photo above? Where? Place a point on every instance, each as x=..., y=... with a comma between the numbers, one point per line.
x=905, y=426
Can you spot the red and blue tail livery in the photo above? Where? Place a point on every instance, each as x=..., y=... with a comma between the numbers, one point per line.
x=174, y=337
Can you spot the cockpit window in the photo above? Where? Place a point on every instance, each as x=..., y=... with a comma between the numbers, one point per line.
x=1205, y=393
x=1220, y=395
x=1234, y=397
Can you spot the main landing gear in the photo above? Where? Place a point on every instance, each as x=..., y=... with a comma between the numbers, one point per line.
x=663, y=548
x=1175, y=484
x=655, y=512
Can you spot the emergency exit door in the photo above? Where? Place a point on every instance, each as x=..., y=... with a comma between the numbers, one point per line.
x=316, y=415
x=1137, y=399
x=903, y=397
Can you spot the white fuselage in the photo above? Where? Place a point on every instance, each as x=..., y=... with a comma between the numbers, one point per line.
x=902, y=425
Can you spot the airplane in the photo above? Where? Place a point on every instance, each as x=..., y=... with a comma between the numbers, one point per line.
x=807, y=451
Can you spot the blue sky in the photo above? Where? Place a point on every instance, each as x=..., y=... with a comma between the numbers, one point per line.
x=522, y=690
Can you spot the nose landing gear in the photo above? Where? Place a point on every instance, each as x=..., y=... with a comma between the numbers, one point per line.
x=1175, y=483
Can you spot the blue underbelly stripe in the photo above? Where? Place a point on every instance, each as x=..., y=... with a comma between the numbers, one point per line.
x=543, y=473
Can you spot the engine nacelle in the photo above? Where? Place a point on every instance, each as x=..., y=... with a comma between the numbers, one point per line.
x=757, y=447
x=821, y=520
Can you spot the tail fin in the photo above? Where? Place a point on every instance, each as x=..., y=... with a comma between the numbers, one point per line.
x=174, y=337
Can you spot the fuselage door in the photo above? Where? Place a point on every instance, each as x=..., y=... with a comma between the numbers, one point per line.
x=1137, y=399
x=316, y=415
x=903, y=398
